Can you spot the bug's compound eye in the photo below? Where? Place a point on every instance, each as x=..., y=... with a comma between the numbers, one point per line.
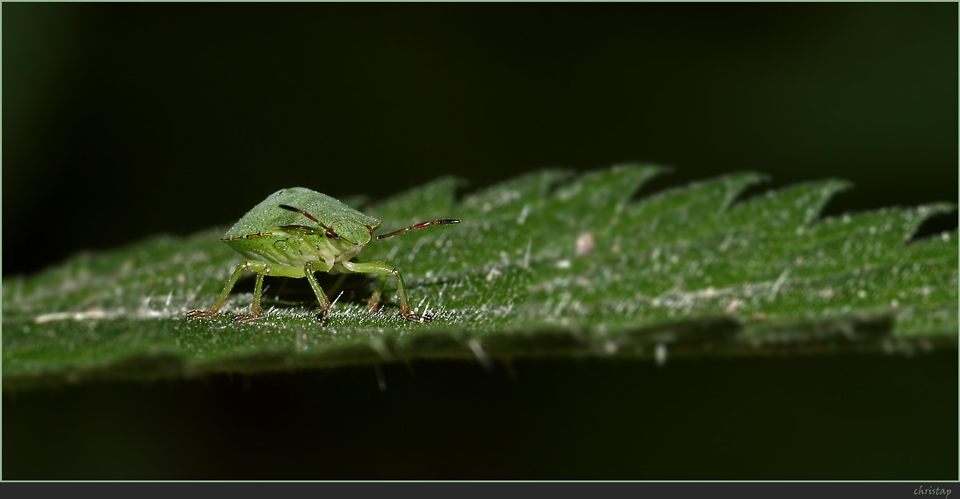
x=332, y=235
x=370, y=229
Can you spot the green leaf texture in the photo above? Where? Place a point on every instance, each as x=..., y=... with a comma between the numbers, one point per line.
x=542, y=265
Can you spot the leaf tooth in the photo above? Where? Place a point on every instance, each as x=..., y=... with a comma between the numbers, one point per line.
x=430, y=199
x=508, y=198
x=607, y=187
x=785, y=209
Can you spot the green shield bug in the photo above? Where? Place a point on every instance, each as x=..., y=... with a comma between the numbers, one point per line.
x=296, y=232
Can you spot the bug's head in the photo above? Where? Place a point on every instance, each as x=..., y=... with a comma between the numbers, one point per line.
x=352, y=231
x=344, y=232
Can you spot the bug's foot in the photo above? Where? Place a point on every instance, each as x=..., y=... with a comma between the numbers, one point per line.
x=199, y=314
x=324, y=312
x=412, y=317
x=245, y=317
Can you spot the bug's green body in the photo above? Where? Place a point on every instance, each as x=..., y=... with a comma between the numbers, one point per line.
x=276, y=235
x=296, y=232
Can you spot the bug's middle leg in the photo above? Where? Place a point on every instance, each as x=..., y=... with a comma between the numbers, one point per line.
x=332, y=290
x=265, y=269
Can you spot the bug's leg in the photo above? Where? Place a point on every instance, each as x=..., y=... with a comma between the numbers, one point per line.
x=375, y=297
x=385, y=269
x=336, y=286
x=257, y=292
x=308, y=270
x=196, y=314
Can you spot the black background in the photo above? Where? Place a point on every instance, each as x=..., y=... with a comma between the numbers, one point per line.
x=121, y=121
x=847, y=417
x=125, y=120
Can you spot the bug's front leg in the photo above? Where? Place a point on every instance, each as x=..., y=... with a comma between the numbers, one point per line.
x=308, y=270
x=384, y=269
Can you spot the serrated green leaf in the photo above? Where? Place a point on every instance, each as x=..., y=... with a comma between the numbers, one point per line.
x=544, y=264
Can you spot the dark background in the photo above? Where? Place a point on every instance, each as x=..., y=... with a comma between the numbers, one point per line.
x=121, y=121
x=847, y=417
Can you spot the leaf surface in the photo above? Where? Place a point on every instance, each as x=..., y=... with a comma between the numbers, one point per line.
x=544, y=264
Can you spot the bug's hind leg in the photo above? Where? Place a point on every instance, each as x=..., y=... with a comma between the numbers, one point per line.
x=257, y=292
x=248, y=265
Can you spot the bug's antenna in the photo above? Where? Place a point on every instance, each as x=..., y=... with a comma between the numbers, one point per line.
x=330, y=232
x=448, y=221
x=298, y=210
